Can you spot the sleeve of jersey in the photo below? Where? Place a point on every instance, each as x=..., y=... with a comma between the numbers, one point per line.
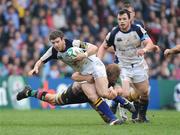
x=142, y=33
x=80, y=44
x=109, y=40
x=50, y=54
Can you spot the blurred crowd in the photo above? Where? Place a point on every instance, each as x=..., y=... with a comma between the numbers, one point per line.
x=25, y=25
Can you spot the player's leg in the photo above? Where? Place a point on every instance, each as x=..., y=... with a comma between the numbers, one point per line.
x=28, y=92
x=54, y=99
x=101, y=85
x=75, y=95
x=133, y=96
x=99, y=103
x=141, y=84
x=71, y=96
x=126, y=80
x=143, y=91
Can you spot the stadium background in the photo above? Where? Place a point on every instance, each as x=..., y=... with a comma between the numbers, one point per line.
x=24, y=29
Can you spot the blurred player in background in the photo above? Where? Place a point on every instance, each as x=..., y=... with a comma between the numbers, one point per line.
x=170, y=52
x=127, y=40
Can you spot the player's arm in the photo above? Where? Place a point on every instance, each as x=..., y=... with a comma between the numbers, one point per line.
x=89, y=48
x=111, y=50
x=102, y=50
x=149, y=46
x=146, y=41
x=169, y=52
x=50, y=54
x=35, y=70
x=79, y=77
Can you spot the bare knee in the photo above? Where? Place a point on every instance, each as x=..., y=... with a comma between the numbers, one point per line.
x=93, y=97
x=102, y=93
x=144, y=94
x=133, y=95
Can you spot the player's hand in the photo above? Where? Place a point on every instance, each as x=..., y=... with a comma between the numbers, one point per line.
x=119, y=90
x=167, y=53
x=112, y=93
x=157, y=49
x=90, y=79
x=141, y=52
x=33, y=71
x=80, y=57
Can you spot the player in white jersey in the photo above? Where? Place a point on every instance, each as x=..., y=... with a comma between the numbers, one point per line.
x=85, y=63
x=114, y=105
x=127, y=40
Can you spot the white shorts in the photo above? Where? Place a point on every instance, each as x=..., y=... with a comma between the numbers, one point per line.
x=135, y=73
x=96, y=68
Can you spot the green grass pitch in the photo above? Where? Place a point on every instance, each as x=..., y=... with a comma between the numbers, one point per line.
x=83, y=122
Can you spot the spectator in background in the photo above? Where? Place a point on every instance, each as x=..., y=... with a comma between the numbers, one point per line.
x=39, y=5
x=59, y=20
x=54, y=72
x=11, y=14
x=88, y=20
x=4, y=69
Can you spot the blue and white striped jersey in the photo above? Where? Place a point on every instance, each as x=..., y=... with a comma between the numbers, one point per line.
x=127, y=43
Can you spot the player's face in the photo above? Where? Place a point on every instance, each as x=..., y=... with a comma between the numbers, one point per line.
x=123, y=22
x=58, y=44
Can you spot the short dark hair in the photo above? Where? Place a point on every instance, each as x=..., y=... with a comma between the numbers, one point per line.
x=124, y=11
x=126, y=6
x=55, y=34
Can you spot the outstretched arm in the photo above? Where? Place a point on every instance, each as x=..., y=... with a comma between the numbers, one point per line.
x=169, y=52
x=149, y=47
x=50, y=54
x=35, y=70
x=102, y=49
x=79, y=77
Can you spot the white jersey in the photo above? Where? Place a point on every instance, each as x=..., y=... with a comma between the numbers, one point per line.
x=91, y=65
x=126, y=44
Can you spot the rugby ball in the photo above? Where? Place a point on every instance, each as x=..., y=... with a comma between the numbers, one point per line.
x=74, y=51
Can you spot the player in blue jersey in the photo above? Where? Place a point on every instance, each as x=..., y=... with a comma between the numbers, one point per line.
x=127, y=40
x=86, y=64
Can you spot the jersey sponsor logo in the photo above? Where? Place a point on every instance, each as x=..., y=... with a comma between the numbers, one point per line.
x=118, y=39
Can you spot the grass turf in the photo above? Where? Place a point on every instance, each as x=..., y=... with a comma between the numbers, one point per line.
x=83, y=122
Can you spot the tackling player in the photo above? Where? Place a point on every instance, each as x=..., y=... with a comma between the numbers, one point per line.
x=74, y=93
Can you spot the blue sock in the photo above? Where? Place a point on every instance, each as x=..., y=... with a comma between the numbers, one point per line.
x=114, y=103
x=120, y=100
x=104, y=108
